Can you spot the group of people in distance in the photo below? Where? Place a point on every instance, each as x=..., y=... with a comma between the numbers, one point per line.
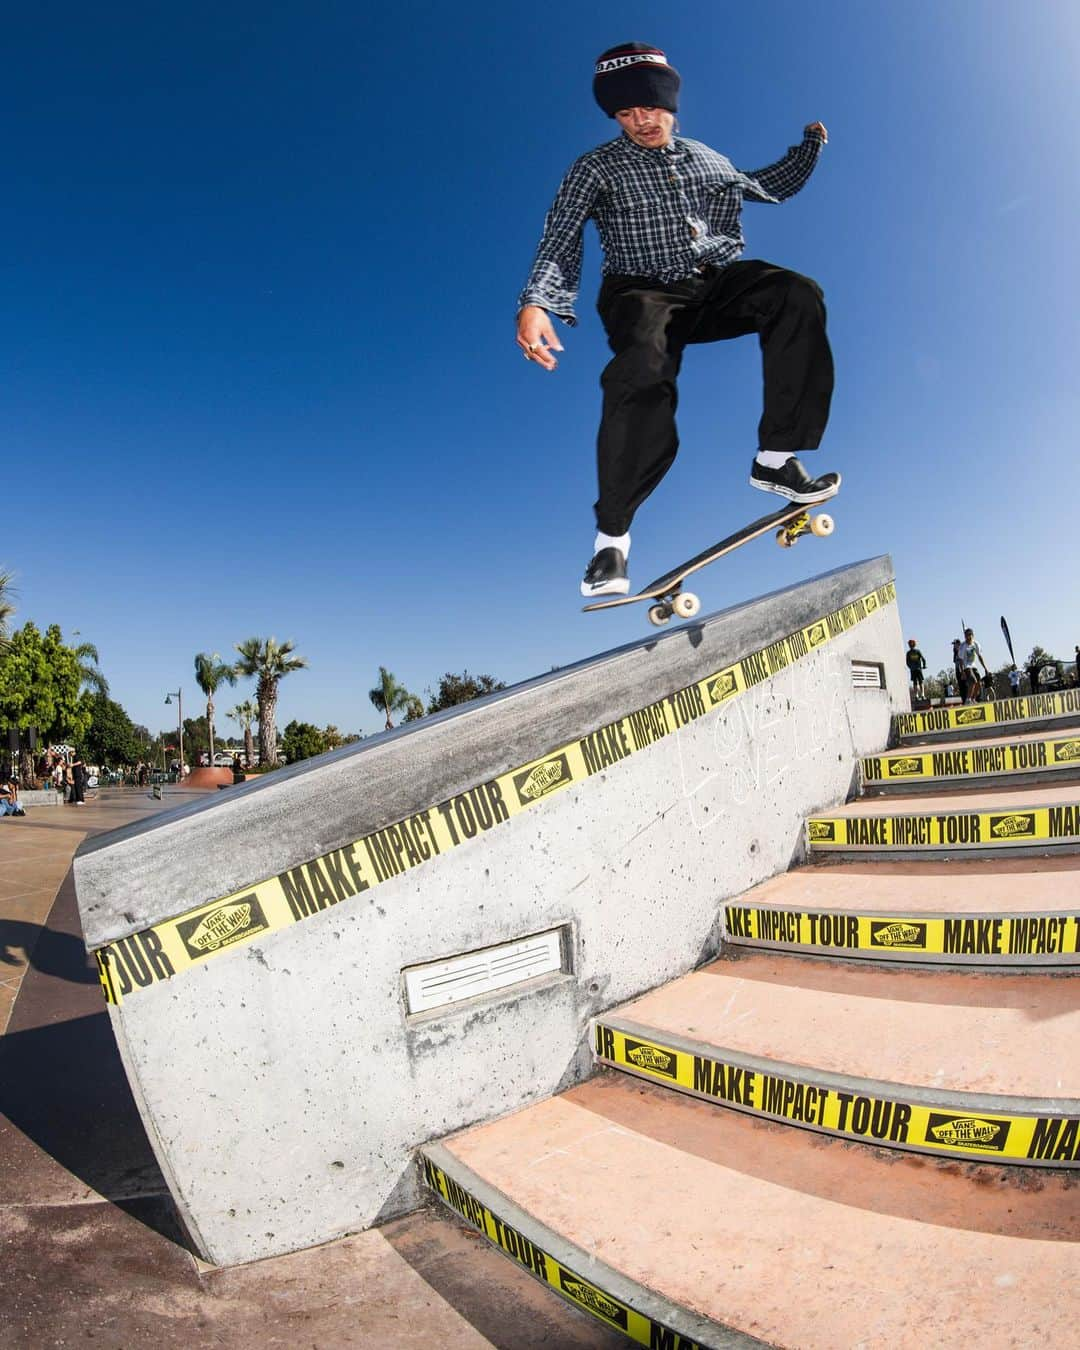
x=69, y=776
x=969, y=683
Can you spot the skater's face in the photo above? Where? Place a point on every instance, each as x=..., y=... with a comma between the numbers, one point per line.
x=648, y=127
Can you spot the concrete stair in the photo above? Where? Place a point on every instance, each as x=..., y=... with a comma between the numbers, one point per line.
x=986, y=912
x=1038, y=712
x=860, y=1126
x=1016, y=761
x=682, y=1226
x=1028, y=821
x=967, y=791
x=980, y=1067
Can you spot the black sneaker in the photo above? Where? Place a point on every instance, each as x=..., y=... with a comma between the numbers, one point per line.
x=606, y=574
x=791, y=480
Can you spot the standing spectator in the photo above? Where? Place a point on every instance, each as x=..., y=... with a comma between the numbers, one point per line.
x=1033, y=676
x=237, y=770
x=958, y=666
x=969, y=653
x=1014, y=682
x=916, y=664
x=78, y=781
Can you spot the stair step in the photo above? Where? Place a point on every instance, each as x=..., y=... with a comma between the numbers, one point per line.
x=734, y=1232
x=1033, y=757
x=980, y=1066
x=1006, y=912
x=1032, y=713
x=1036, y=820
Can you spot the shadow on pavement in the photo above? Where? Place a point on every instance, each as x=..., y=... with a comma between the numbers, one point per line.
x=62, y=1083
x=52, y=953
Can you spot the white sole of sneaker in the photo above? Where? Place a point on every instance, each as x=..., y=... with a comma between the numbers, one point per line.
x=802, y=499
x=618, y=587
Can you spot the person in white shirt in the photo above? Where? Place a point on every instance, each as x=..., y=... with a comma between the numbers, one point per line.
x=969, y=652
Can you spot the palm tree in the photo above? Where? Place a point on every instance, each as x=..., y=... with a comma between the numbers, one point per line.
x=245, y=713
x=7, y=607
x=210, y=672
x=269, y=661
x=389, y=696
x=90, y=676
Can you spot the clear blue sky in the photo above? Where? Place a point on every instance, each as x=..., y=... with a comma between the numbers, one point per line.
x=259, y=266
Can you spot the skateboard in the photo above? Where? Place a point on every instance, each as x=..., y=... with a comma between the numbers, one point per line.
x=790, y=523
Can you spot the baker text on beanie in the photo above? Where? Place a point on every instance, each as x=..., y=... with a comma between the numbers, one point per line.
x=635, y=75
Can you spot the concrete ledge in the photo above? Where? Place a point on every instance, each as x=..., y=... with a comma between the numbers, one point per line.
x=151, y=870
x=253, y=945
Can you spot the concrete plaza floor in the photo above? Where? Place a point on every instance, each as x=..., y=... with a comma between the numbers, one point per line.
x=89, y=1243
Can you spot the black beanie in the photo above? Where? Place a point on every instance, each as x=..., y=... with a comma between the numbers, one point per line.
x=635, y=75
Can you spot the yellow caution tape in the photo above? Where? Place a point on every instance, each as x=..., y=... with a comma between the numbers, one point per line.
x=989, y=1136
x=973, y=761
x=978, y=937
x=155, y=954
x=582, y=1293
x=954, y=829
x=968, y=715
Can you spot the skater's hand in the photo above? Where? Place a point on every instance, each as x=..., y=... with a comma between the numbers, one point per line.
x=536, y=337
x=819, y=127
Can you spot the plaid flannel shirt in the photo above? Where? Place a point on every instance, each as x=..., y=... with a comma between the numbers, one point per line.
x=661, y=213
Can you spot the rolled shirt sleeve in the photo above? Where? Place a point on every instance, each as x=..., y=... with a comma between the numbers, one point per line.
x=556, y=271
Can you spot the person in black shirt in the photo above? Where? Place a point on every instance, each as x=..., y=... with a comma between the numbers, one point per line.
x=916, y=664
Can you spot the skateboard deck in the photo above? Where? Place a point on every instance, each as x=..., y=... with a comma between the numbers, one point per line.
x=790, y=523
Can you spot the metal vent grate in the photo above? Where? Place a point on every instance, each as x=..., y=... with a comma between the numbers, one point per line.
x=867, y=675
x=439, y=983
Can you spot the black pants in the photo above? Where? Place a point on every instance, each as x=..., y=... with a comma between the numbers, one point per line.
x=649, y=324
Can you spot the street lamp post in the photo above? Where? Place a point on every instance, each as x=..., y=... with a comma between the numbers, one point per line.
x=180, y=726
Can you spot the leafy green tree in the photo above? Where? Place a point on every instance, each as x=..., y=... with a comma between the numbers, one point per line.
x=1036, y=663
x=389, y=696
x=332, y=738
x=302, y=741
x=454, y=689
x=935, y=685
x=196, y=738
x=414, y=709
x=210, y=673
x=40, y=679
x=245, y=713
x=111, y=737
x=269, y=661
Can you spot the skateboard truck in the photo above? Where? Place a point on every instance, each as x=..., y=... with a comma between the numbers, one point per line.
x=671, y=601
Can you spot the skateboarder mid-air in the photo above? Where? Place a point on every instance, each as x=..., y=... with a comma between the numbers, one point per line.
x=668, y=214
